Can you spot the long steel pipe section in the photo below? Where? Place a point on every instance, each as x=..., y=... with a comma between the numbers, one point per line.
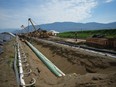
x=22, y=82
x=47, y=62
x=15, y=67
x=11, y=34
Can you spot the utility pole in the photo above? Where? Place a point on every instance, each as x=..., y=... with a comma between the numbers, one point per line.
x=76, y=36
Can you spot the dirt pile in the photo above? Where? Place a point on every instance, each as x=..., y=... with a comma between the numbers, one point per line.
x=7, y=75
x=96, y=80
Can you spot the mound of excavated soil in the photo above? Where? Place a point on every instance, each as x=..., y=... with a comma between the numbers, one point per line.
x=7, y=75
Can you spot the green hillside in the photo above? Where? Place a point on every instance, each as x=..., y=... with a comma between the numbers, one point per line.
x=109, y=33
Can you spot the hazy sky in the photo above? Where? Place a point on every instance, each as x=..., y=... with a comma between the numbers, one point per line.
x=14, y=13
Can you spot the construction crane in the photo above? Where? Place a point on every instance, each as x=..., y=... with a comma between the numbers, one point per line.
x=38, y=33
x=25, y=34
x=32, y=24
x=24, y=28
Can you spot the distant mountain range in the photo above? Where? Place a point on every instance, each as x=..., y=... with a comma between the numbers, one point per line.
x=72, y=26
x=8, y=30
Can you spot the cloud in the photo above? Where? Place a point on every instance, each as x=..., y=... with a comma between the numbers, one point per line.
x=47, y=12
x=67, y=10
x=108, y=1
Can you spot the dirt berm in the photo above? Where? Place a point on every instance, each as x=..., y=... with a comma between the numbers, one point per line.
x=7, y=75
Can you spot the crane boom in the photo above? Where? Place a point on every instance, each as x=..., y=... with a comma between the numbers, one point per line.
x=32, y=24
x=23, y=27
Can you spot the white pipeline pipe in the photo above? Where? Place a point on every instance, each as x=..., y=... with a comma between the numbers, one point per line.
x=22, y=82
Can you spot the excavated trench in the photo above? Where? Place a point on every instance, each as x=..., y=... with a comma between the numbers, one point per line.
x=73, y=61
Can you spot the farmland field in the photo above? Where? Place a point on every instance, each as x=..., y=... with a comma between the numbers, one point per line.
x=108, y=33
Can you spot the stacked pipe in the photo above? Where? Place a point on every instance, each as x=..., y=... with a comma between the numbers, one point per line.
x=23, y=66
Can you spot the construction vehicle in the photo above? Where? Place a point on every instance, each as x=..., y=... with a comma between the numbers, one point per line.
x=40, y=33
x=25, y=33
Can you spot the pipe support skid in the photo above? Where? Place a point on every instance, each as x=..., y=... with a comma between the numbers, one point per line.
x=47, y=62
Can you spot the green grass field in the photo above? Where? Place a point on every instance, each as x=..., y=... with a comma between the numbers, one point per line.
x=109, y=33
